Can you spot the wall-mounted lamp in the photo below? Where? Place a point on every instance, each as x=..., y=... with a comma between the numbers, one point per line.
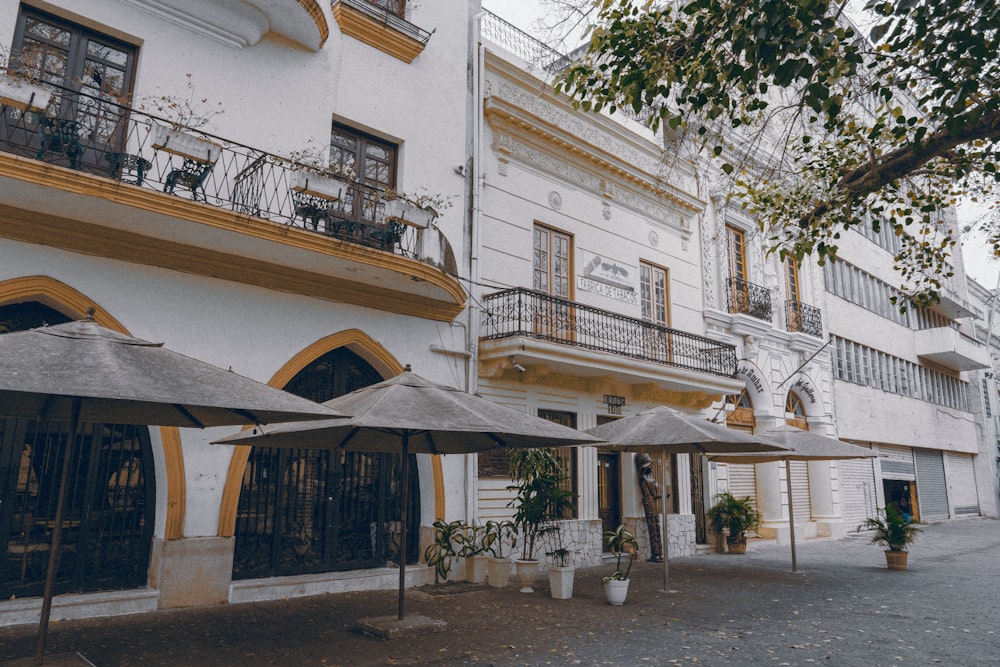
x=516, y=366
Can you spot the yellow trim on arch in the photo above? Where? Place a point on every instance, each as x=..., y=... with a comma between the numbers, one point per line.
x=62, y=297
x=316, y=14
x=364, y=346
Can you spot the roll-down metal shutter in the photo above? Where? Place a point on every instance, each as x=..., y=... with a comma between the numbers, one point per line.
x=932, y=491
x=962, y=484
x=858, y=493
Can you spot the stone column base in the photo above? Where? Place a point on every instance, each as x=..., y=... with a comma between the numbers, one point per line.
x=193, y=571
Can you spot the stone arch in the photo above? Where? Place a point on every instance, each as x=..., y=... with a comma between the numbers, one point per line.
x=73, y=303
x=808, y=392
x=758, y=388
x=365, y=347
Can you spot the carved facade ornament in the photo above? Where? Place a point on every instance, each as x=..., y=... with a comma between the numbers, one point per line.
x=555, y=200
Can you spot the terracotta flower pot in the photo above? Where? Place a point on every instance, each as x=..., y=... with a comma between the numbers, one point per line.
x=895, y=560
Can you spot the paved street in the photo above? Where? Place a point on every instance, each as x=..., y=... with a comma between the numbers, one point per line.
x=843, y=608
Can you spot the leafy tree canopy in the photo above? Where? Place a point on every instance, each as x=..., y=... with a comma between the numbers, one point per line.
x=818, y=126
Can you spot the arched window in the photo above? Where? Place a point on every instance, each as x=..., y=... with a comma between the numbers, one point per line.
x=108, y=523
x=741, y=415
x=316, y=510
x=795, y=411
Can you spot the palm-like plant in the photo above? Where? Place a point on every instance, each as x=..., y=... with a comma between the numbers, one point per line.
x=892, y=529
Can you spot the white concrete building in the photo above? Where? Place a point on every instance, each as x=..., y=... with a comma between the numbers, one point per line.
x=589, y=277
x=229, y=253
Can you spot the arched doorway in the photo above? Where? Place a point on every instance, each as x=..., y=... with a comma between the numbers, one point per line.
x=314, y=510
x=108, y=523
x=795, y=415
x=740, y=416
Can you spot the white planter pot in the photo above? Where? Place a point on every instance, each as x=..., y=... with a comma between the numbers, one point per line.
x=23, y=94
x=527, y=573
x=316, y=184
x=475, y=569
x=186, y=145
x=498, y=575
x=408, y=213
x=561, y=582
x=616, y=590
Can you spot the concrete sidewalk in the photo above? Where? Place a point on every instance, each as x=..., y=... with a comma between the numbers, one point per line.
x=842, y=608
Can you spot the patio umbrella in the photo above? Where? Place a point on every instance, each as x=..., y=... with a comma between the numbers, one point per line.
x=663, y=429
x=83, y=372
x=802, y=446
x=407, y=414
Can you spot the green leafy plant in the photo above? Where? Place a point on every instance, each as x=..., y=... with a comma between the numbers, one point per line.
x=559, y=556
x=736, y=514
x=441, y=552
x=892, y=529
x=622, y=544
x=496, y=535
x=540, y=501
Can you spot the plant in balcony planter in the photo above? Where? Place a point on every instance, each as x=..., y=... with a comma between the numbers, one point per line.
x=312, y=175
x=440, y=553
x=737, y=515
x=895, y=531
x=183, y=114
x=540, y=502
x=20, y=83
x=497, y=535
x=415, y=209
x=622, y=543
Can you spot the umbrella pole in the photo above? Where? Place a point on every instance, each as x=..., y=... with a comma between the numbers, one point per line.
x=791, y=511
x=53, y=566
x=404, y=489
x=664, y=538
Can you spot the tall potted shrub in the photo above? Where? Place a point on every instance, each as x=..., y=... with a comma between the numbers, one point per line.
x=540, y=502
x=735, y=515
x=894, y=531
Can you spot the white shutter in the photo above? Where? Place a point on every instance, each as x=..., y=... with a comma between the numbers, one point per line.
x=962, y=484
x=800, y=490
x=858, y=493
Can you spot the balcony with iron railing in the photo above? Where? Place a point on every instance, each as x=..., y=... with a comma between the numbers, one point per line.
x=803, y=318
x=527, y=314
x=136, y=171
x=746, y=298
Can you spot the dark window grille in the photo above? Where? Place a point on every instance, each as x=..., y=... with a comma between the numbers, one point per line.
x=746, y=298
x=108, y=522
x=803, y=318
x=314, y=510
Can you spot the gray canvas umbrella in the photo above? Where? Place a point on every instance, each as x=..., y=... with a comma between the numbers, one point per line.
x=407, y=414
x=663, y=429
x=83, y=372
x=802, y=446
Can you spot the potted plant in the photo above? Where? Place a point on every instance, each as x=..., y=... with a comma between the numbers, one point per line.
x=440, y=553
x=183, y=114
x=310, y=174
x=498, y=534
x=894, y=531
x=474, y=542
x=622, y=544
x=539, y=503
x=416, y=210
x=561, y=572
x=20, y=85
x=735, y=515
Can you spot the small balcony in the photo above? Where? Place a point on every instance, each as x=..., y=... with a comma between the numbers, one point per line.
x=746, y=298
x=528, y=315
x=803, y=318
x=948, y=347
x=105, y=178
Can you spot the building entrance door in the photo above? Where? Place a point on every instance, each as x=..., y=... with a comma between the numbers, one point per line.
x=609, y=508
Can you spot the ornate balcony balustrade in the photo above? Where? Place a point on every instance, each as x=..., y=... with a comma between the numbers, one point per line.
x=524, y=312
x=803, y=318
x=747, y=298
x=104, y=138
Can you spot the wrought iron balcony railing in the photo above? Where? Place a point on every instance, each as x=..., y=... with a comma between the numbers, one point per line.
x=104, y=138
x=524, y=312
x=803, y=318
x=748, y=299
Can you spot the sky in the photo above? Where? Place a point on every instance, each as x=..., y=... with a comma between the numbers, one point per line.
x=979, y=262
